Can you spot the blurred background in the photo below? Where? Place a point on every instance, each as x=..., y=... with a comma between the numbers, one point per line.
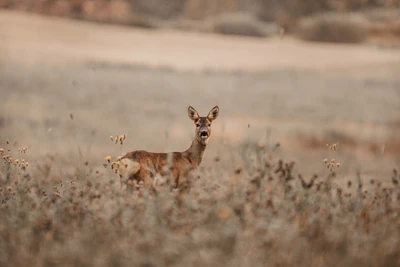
x=301, y=73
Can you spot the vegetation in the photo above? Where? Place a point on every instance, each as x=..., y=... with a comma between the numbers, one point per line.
x=336, y=28
x=256, y=211
x=238, y=17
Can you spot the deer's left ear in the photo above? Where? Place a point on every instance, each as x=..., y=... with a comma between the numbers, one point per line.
x=213, y=114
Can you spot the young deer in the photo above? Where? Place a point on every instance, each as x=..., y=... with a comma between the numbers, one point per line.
x=147, y=167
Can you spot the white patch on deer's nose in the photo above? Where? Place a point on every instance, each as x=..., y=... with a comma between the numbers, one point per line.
x=203, y=134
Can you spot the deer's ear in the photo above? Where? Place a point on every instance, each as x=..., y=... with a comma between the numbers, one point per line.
x=213, y=114
x=192, y=113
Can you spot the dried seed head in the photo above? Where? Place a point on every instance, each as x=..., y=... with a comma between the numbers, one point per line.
x=108, y=159
x=238, y=169
x=333, y=160
x=111, y=138
x=1, y=150
x=114, y=163
x=261, y=145
x=225, y=213
x=338, y=165
x=325, y=161
x=119, y=158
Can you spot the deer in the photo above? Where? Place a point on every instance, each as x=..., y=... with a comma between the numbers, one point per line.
x=149, y=167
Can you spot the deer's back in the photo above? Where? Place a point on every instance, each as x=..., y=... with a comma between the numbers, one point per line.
x=161, y=162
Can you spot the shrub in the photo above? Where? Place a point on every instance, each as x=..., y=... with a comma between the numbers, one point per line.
x=330, y=27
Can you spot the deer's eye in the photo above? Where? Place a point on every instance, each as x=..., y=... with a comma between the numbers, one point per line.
x=208, y=125
x=197, y=124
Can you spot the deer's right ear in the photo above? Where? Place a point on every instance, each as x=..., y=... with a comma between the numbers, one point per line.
x=193, y=115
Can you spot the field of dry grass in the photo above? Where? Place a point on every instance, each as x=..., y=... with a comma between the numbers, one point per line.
x=66, y=86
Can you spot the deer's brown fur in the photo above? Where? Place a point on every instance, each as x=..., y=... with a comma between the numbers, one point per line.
x=147, y=167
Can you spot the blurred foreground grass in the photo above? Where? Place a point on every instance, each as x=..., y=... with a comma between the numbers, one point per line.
x=253, y=210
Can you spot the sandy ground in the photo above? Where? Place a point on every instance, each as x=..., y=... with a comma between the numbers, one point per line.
x=118, y=80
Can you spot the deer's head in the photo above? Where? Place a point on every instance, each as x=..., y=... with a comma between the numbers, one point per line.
x=203, y=124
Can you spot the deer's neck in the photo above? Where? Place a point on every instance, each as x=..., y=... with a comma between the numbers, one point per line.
x=196, y=151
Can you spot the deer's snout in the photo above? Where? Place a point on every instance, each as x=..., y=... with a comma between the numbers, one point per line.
x=203, y=134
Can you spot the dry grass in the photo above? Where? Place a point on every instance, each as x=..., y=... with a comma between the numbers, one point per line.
x=256, y=211
x=337, y=28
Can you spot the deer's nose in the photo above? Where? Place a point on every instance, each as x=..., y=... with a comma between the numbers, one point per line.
x=203, y=133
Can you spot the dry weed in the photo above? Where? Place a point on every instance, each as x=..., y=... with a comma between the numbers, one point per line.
x=255, y=214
